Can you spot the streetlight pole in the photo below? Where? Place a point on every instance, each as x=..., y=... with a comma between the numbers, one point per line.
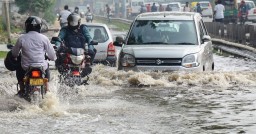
x=7, y=17
x=124, y=8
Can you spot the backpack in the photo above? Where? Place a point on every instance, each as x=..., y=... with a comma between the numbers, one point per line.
x=75, y=39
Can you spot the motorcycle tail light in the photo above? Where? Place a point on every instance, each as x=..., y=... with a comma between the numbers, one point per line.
x=35, y=74
x=111, y=49
x=76, y=73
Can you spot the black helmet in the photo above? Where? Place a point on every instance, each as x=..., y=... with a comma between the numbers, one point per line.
x=74, y=20
x=10, y=63
x=33, y=23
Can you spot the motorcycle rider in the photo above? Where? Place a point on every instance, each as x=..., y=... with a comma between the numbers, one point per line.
x=32, y=47
x=89, y=15
x=63, y=16
x=243, y=9
x=76, y=35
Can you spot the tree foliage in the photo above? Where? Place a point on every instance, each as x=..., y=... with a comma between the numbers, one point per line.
x=41, y=8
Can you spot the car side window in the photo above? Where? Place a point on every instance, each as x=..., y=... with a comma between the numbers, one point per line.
x=202, y=30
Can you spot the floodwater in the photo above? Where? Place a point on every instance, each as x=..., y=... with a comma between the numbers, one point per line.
x=118, y=102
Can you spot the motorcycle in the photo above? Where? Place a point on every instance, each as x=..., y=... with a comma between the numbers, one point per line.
x=34, y=81
x=35, y=84
x=73, y=64
x=243, y=18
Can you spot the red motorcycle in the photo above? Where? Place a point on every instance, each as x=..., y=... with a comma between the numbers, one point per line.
x=73, y=64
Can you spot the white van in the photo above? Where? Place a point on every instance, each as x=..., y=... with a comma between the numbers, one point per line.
x=135, y=6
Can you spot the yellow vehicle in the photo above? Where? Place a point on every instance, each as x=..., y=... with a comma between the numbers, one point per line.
x=193, y=5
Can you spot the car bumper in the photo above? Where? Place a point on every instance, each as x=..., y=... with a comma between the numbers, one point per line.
x=162, y=68
x=251, y=17
x=109, y=60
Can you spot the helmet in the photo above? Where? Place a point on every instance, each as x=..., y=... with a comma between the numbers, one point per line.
x=74, y=20
x=33, y=23
x=10, y=63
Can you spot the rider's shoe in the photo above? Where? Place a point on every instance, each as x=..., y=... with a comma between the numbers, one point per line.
x=21, y=94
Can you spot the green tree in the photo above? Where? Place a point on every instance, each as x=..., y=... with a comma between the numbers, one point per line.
x=41, y=8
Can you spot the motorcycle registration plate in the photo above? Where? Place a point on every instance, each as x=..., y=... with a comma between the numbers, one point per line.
x=36, y=82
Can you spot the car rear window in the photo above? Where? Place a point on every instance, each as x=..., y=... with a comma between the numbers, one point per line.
x=167, y=32
x=174, y=5
x=98, y=33
x=204, y=5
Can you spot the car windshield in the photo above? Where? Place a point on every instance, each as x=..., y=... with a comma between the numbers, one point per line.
x=174, y=5
x=204, y=5
x=169, y=32
x=98, y=33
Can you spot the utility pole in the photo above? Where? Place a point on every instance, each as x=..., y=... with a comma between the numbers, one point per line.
x=7, y=17
x=124, y=9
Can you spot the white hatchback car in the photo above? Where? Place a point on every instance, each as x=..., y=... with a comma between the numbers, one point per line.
x=106, y=51
x=175, y=6
x=166, y=41
x=207, y=10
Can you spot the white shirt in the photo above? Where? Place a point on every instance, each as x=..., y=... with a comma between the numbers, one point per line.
x=186, y=9
x=64, y=15
x=33, y=47
x=219, y=8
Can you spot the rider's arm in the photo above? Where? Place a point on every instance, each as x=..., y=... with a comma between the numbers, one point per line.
x=87, y=35
x=16, y=49
x=61, y=35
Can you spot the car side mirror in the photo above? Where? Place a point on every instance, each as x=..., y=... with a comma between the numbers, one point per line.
x=94, y=42
x=206, y=38
x=119, y=41
x=55, y=39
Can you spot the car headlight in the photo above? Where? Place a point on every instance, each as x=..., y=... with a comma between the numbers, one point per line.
x=127, y=60
x=190, y=60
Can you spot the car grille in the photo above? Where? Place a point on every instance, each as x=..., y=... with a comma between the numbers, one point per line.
x=159, y=61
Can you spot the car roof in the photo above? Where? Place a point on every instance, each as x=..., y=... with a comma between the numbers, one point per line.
x=96, y=24
x=168, y=16
x=174, y=3
x=203, y=2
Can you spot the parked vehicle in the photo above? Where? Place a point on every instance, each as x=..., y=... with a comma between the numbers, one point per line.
x=135, y=6
x=166, y=41
x=251, y=16
x=106, y=51
x=243, y=18
x=175, y=6
x=207, y=10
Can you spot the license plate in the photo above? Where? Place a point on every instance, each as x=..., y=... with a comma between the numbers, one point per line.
x=36, y=82
x=244, y=15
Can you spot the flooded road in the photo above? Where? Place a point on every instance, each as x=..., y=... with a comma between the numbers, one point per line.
x=222, y=101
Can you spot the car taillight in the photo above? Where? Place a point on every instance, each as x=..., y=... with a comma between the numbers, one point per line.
x=209, y=5
x=111, y=49
x=254, y=11
x=35, y=74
